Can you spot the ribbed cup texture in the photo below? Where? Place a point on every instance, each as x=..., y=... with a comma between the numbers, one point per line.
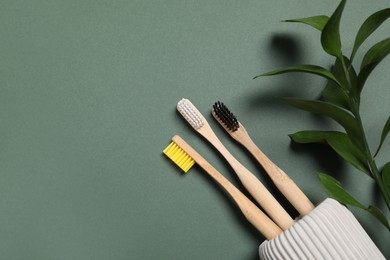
x=330, y=231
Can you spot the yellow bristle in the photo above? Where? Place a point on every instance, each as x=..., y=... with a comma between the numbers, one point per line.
x=179, y=156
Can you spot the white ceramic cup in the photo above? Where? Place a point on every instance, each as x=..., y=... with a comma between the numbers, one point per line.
x=330, y=231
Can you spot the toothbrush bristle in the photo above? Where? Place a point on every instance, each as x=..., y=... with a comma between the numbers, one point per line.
x=190, y=113
x=227, y=117
x=179, y=156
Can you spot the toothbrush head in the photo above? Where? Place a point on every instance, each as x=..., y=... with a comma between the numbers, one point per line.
x=179, y=156
x=190, y=113
x=226, y=118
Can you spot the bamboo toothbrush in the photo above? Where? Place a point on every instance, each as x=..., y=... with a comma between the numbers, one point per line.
x=250, y=182
x=287, y=186
x=185, y=157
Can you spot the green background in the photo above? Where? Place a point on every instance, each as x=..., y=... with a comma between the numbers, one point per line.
x=88, y=91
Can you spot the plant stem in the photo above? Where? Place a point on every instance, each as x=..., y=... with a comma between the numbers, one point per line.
x=370, y=160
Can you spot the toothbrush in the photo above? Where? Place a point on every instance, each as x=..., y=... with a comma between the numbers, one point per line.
x=185, y=157
x=250, y=182
x=287, y=186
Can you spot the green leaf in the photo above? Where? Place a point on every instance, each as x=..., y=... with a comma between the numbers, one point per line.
x=338, y=114
x=344, y=147
x=333, y=93
x=307, y=137
x=339, y=142
x=372, y=58
x=317, y=22
x=368, y=27
x=334, y=190
x=376, y=53
x=313, y=69
x=330, y=36
x=386, y=177
x=376, y=212
x=352, y=78
x=340, y=74
x=385, y=131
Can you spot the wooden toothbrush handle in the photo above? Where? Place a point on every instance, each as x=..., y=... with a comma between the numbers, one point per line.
x=252, y=213
x=258, y=191
x=265, y=199
x=281, y=180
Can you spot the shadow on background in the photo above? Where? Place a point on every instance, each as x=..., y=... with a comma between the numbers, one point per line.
x=287, y=51
x=286, y=48
x=328, y=160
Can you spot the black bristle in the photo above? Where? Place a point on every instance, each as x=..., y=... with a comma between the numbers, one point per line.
x=227, y=117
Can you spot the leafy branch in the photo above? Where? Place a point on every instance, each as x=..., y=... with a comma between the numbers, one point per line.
x=341, y=102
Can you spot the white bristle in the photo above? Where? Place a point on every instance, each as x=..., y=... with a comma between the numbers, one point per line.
x=190, y=113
